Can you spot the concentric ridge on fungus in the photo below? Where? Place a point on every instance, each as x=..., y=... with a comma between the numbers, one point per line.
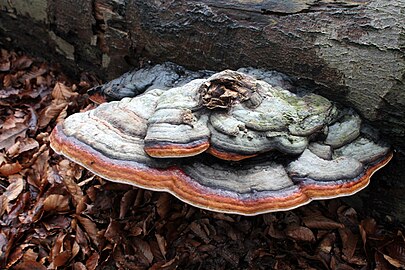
x=229, y=143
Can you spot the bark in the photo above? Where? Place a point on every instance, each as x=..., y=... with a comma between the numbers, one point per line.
x=350, y=51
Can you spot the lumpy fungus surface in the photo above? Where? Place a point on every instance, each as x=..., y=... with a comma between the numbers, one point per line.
x=233, y=142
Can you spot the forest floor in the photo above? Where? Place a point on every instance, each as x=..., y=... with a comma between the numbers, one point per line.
x=55, y=214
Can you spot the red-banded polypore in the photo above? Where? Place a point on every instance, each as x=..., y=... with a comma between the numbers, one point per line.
x=228, y=143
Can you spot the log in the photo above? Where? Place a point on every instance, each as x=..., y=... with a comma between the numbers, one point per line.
x=349, y=51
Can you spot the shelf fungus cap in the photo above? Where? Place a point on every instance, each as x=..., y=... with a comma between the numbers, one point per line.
x=228, y=143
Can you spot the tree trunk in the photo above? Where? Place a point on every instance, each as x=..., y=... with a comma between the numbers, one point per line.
x=350, y=51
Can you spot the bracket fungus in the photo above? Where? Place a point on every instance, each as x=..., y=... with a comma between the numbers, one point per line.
x=231, y=142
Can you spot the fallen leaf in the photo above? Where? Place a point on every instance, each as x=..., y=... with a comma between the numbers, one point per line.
x=10, y=169
x=349, y=242
x=300, y=233
x=144, y=248
x=8, y=137
x=126, y=202
x=92, y=261
x=57, y=203
x=162, y=244
x=90, y=228
x=79, y=266
x=321, y=222
x=15, y=188
x=28, y=264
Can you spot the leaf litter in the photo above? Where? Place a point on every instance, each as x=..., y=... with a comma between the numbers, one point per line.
x=56, y=215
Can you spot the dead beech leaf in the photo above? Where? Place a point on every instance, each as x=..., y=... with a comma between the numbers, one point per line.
x=394, y=262
x=22, y=62
x=162, y=244
x=62, y=258
x=300, y=233
x=57, y=203
x=145, y=249
x=349, y=242
x=321, y=222
x=326, y=243
x=163, y=204
x=28, y=264
x=33, y=74
x=5, y=65
x=126, y=202
x=90, y=228
x=10, y=169
x=79, y=266
x=113, y=232
x=15, y=188
x=22, y=146
x=67, y=175
x=8, y=137
x=63, y=92
x=51, y=112
x=92, y=261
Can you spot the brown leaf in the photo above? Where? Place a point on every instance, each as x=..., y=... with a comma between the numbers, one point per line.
x=5, y=65
x=300, y=233
x=10, y=169
x=126, y=202
x=369, y=225
x=90, y=228
x=57, y=203
x=62, y=92
x=163, y=204
x=326, y=244
x=394, y=262
x=92, y=261
x=62, y=258
x=349, y=241
x=113, y=232
x=56, y=222
x=144, y=248
x=22, y=62
x=15, y=188
x=199, y=231
x=321, y=222
x=70, y=184
x=51, y=112
x=33, y=74
x=79, y=266
x=31, y=265
x=8, y=137
x=162, y=244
